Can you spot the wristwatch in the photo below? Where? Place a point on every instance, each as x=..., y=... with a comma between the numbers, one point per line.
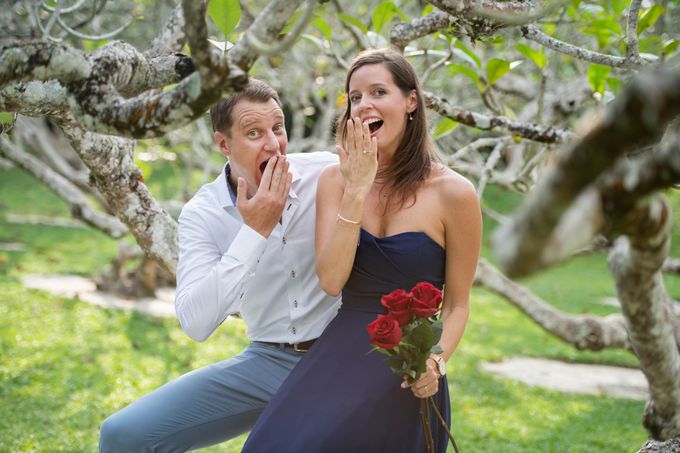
x=441, y=364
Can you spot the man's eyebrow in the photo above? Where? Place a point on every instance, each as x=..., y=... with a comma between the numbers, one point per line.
x=248, y=121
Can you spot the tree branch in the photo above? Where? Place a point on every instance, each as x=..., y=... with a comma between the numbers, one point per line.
x=532, y=33
x=402, y=33
x=41, y=60
x=544, y=134
x=171, y=38
x=633, y=119
x=582, y=331
x=265, y=28
x=632, y=53
x=635, y=263
x=120, y=182
x=474, y=15
x=80, y=208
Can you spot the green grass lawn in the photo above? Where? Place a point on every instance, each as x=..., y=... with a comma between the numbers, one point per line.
x=66, y=365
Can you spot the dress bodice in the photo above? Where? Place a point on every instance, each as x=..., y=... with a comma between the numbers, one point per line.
x=383, y=264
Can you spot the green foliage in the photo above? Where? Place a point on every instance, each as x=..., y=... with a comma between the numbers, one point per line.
x=6, y=117
x=538, y=57
x=495, y=69
x=444, y=127
x=382, y=14
x=351, y=20
x=597, y=76
x=464, y=52
x=649, y=17
x=225, y=13
x=670, y=46
x=323, y=26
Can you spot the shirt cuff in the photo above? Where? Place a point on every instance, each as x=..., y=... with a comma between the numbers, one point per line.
x=247, y=247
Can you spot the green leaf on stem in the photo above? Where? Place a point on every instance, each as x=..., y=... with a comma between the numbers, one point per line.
x=467, y=51
x=322, y=25
x=597, y=75
x=351, y=20
x=495, y=69
x=382, y=14
x=536, y=56
x=670, y=46
x=456, y=68
x=225, y=13
x=444, y=127
x=6, y=117
x=649, y=17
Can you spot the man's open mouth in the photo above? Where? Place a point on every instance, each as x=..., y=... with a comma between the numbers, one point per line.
x=263, y=165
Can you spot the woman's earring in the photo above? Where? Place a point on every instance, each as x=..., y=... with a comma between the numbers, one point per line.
x=410, y=116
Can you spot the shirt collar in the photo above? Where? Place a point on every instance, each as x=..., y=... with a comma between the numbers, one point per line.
x=232, y=194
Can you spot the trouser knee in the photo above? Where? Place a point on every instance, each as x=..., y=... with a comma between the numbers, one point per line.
x=115, y=435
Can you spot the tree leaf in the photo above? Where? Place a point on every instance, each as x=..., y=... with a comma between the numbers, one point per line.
x=444, y=127
x=615, y=84
x=6, y=117
x=495, y=69
x=351, y=20
x=401, y=14
x=649, y=18
x=427, y=10
x=536, y=56
x=322, y=25
x=467, y=51
x=670, y=46
x=597, y=75
x=313, y=39
x=618, y=6
x=382, y=14
x=455, y=68
x=225, y=14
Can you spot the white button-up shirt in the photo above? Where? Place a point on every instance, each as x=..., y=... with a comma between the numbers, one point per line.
x=227, y=267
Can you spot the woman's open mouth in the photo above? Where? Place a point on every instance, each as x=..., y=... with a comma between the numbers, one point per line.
x=374, y=124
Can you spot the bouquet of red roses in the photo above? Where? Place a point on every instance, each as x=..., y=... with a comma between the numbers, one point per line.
x=407, y=334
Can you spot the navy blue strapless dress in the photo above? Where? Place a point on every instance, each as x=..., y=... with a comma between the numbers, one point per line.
x=341, y=398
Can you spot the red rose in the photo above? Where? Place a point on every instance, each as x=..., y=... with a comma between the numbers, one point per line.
x=385, y=332
x=398, y=305
x=426, y=299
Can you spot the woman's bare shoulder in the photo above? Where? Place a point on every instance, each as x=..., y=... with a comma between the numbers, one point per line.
x=452, y=186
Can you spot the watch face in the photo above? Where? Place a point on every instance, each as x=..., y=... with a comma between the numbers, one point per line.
x=442, y=367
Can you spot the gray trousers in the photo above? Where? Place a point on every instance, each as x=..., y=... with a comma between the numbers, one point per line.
x=201, y=408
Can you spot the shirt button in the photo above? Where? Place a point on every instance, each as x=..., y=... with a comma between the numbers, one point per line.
x=295, y=303
x=292, y=274
x=284, y=240
x=293, y=330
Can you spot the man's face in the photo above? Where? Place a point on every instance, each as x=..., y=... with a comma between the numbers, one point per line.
x=257, y=133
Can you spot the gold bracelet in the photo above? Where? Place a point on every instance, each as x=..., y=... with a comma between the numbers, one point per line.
x=343, y=221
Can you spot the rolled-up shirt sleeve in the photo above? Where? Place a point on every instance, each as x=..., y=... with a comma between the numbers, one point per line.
x=211, y=284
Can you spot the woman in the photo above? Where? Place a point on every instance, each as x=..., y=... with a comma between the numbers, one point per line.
x=388, y=217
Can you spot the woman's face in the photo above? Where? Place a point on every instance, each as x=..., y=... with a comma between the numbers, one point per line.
x=376, y=99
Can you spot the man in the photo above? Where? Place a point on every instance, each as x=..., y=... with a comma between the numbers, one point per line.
x=246, y=245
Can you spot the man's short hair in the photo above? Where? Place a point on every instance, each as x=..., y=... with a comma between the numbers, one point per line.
x=254, y=91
